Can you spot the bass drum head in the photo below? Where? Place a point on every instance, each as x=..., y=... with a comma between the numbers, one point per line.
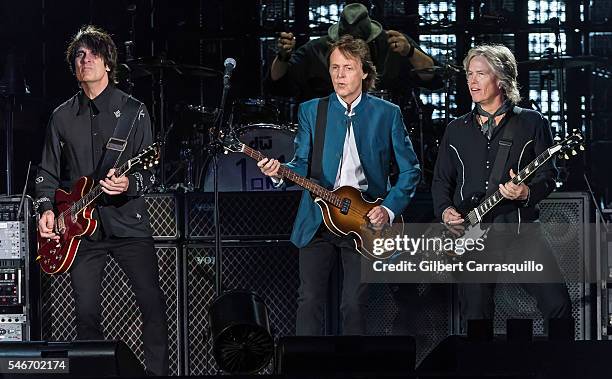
x=238, y=172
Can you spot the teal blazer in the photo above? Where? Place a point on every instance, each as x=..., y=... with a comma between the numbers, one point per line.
x=379, y=133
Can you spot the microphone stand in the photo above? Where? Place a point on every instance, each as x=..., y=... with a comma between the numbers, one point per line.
x=215, y=150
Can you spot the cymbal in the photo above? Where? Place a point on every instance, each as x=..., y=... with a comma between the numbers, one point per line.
x=199, y=71
x=565, y=61
x=124, y=71
x=447, y=69
x=153, y=65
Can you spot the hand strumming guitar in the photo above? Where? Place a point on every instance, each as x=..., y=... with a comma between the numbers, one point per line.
x=45, y=225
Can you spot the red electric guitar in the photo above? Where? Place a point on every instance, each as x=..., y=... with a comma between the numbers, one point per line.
x=75, y=218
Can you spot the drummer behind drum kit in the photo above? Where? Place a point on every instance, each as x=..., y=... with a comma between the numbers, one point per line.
x=264, y=124
x=267, y=124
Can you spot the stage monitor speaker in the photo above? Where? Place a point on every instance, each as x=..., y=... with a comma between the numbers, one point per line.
x=565, y=222
x=460, y=357
x=269, y=269
x=85, y=358
x=345, y=355
x=121, y=318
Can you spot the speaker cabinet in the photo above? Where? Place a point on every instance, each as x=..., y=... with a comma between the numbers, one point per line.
x=121, y=318
x=270, y=269
x=565, y=222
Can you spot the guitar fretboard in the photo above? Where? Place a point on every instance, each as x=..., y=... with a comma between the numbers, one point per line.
x=476, y=215
x=301, y=181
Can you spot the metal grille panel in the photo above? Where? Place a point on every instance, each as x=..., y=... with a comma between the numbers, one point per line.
x=243, y=215
x=427, y=313
x=564, y=224
x=121, y=318
x=164, y=215
x=270, y=270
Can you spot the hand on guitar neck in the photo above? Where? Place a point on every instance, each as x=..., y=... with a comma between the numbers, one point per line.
x=269, y=167
x=113, y=185
x=513, y=191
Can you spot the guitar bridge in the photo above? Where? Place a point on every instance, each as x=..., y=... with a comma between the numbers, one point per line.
x=345, y=206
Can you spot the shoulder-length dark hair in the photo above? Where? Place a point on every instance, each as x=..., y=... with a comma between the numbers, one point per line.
x=358, y=49
x=99, y=42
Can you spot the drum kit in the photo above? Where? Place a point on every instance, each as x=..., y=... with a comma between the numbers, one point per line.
x=187, y=135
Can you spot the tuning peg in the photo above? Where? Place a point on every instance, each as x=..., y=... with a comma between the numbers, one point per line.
x=581, y=147
x=156, y=161
x=565, y=156
x=225, y=152
x=574, y=152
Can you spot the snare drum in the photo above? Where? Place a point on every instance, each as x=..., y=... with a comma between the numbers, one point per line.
x=238, y=172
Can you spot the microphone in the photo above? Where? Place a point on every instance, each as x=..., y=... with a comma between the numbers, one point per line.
x=230, y=64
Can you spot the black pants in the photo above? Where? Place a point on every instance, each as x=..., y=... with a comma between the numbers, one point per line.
x=477, y=300
x=316, y=262
x=552, y=299
x=136, y=257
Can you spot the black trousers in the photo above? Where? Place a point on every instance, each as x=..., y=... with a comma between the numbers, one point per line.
x=316, y=262
x=552, y=299
x=137, y=258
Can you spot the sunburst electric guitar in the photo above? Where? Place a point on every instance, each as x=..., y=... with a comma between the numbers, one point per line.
x=344, y=209
x=75, y=215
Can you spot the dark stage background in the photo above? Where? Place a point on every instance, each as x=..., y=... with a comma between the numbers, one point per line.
x=33, y=37
x=195, y=37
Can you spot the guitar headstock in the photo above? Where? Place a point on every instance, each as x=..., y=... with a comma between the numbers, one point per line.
x=232, y=144
x=149, y=157
x=568, y=146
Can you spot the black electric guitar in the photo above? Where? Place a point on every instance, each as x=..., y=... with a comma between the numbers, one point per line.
x=344, y=209
x=474, y=208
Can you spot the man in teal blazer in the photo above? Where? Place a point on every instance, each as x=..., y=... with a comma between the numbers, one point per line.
x=362, y=137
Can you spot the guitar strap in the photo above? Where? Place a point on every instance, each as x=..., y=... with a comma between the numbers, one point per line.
x=505, y=143
x=116, y=144
x=316, y=161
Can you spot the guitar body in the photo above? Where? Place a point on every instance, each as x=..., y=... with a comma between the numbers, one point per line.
x=355, y=223
x=57, y=257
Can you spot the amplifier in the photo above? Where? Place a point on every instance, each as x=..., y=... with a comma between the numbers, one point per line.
x=243, y=216
x=163, y=211
x=9, y=208
x=19, y=285
x=10, y=288
x=13, y=327
x=12, y=239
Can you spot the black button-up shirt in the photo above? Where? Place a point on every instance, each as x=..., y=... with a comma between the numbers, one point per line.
x=75, y=143
x=466, y=158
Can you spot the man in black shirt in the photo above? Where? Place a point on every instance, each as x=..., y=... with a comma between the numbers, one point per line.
x=466, y=158
x=303, y=73
x=77, y=134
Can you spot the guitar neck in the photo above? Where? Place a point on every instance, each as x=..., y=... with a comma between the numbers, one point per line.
x=301, y=181
x=475, y=216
